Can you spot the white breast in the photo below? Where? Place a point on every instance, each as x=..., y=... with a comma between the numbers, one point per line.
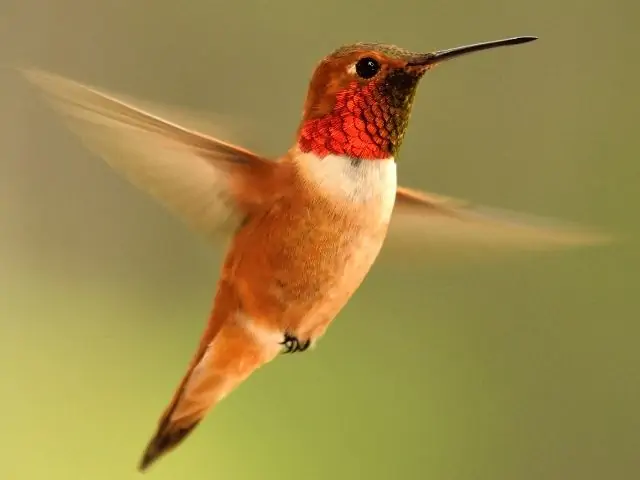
x=360, y=182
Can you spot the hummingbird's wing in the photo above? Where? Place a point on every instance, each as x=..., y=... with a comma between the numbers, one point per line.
x=427, y=225
x=194, y=175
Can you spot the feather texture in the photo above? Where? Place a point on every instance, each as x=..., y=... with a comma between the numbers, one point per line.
x=427, y=225
x=194, y=175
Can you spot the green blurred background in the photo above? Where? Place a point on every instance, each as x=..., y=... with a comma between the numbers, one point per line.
x=519, y=368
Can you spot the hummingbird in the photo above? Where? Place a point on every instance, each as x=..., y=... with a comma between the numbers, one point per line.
x=302, y=230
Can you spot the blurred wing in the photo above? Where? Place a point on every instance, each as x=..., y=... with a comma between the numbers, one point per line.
x=195, y=176
x=425, y=225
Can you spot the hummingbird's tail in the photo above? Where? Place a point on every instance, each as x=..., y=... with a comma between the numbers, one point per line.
x=219, y=366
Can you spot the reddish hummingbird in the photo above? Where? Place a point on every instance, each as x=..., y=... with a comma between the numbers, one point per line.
x=305, y=228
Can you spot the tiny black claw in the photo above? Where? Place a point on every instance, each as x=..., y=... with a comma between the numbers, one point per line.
x=293, y=345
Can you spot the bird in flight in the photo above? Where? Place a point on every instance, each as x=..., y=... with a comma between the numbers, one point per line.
x=303, y=229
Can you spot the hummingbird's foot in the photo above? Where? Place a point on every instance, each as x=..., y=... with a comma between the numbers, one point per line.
x=293, y=345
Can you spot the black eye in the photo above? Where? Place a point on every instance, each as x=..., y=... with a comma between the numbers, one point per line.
x=367, y=67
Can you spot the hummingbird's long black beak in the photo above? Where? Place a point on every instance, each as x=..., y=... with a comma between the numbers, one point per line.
x=444, y=55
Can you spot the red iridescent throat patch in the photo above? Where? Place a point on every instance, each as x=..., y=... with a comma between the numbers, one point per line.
x=364, y=123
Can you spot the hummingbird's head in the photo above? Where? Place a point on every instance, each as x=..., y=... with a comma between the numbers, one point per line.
x=360, y=97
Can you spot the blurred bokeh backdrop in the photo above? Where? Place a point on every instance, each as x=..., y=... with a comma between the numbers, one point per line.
x=520, y=368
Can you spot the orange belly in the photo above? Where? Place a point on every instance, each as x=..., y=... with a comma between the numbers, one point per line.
x=294, y=267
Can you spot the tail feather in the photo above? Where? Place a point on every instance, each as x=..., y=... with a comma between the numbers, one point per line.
x=163, y=442
x=169, y=434
x=231, y=356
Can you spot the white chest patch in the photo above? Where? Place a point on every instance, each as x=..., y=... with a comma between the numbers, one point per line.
x=361, y=182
